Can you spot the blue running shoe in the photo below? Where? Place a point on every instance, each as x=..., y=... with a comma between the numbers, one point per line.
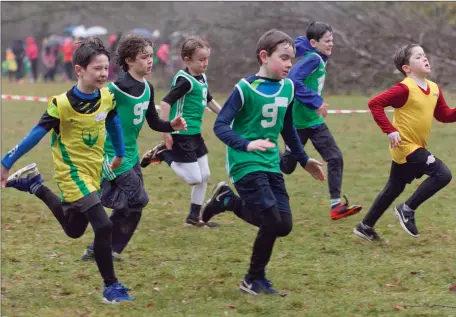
x=27, y=179
x=256, y=287
x=116, y=293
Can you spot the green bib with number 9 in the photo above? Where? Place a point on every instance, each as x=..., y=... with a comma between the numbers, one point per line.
x=261, y=117
x=132, y=112
x=191, y=106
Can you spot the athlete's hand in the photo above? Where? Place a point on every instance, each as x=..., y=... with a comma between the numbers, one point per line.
x=178, y=124
x=314, y=168
x=5, y=173
x=395, y=139
x=168, y=140
x=260, y=145
x=116, y=162
x=323, y=110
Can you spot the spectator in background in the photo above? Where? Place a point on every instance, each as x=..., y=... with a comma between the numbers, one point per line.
x=67, y=51
x=49, y=58
x=19, y=52
x=12, y=64
x=31, y=51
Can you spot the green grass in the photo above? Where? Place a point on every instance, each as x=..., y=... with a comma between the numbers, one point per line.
x=177, y=271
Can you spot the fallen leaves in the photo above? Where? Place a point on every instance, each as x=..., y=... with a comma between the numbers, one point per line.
x=400, y=307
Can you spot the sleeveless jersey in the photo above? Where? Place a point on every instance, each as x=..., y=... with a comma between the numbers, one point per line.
x=132, y=113
x=78, y=150
x=414, y=119
x=261, y=117
x=304, y=117
x=191, y=106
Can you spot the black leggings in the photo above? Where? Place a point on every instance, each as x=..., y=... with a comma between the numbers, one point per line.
x=271, y=223
x=75, y=224
x=438, y=179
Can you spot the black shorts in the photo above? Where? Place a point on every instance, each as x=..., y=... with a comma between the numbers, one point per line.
x=126, y=191
x=262, y=190
x=418, y=163
x=188, y=148
x=83, y=204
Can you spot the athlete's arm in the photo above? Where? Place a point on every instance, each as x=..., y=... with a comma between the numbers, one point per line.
x=153, y=120
x=298, y=73
x=291, y=138
x=114, y=128
x=222, y=125
x=395, y=97
x=442, y=112
x=182, y=87
x=48, y=121
x=214, y=106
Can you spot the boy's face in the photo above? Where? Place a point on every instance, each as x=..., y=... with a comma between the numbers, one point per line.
x=418, y=63
x=198, y=63
x=279, y=63
x=96, y=73
x=325, y=44
x=142, y=65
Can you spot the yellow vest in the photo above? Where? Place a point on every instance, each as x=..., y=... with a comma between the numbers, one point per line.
x=78, y=150
x=414, y=119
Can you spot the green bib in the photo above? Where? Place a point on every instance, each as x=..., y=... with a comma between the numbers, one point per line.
x=304, y=117
x=132, y=112
x=191, y=106
x=260, y=117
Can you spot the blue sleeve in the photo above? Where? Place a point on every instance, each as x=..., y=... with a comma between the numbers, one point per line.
x=291, y=138
x=303, y=68
x=114, y=127
x=222, y=125
x=33, y=138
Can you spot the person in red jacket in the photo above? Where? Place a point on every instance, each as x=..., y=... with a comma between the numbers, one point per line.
x=31, y=51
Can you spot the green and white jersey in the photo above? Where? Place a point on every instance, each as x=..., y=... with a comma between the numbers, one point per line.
x=261, y=117
x=132, y=113
x=303, y=117
x=191, y=106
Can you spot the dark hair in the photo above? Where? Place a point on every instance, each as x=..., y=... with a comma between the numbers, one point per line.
x=270, y=40
x=316, y=30
x=130, y=46
x=191, y=44
x=402, y=56
x=87, y=50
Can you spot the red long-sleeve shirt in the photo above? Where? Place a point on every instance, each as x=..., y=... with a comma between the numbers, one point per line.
x=396, y=97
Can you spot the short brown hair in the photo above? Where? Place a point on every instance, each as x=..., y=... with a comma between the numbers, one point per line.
x=270, y=40
x=402, y=56
x=191, y=44
x=130, y=46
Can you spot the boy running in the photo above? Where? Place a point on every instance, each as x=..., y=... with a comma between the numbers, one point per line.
x=78, y=119
x=123, y=189
x=309, y=109
x=416, y=101
x=258, y=110
x=185, y=151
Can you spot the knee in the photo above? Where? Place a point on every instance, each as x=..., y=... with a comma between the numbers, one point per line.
x=104, y=229
x=284, y=229
x=74, y=234
x=337, y=157
x=205, y=176
x=444, y=175
x=193, y=180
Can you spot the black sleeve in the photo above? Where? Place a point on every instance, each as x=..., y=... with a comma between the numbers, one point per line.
x=153, y=120
x=182, y=87
x=49, y=122
x=209, y=96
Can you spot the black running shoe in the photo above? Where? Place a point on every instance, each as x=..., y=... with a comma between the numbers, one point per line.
x=366, y=232
x=407, y=220
x=151, y=156
x=215, y=204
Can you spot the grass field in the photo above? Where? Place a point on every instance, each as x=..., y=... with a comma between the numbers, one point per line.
x=177, y=271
